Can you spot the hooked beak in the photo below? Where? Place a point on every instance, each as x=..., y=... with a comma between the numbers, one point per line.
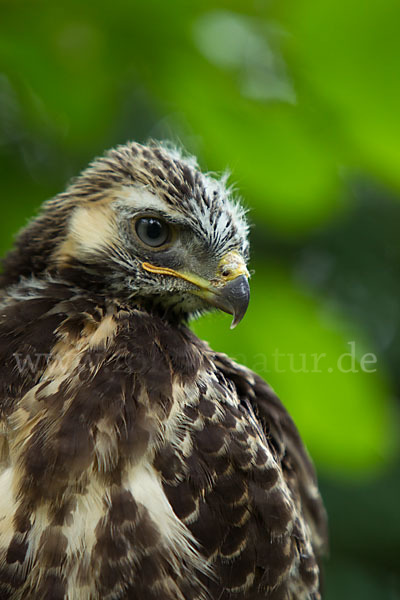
x=233, y=298
x=229, y=290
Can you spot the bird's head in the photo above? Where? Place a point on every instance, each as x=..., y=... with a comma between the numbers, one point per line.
x=142, y=224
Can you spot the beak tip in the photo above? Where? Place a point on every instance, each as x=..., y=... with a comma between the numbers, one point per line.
x=234, y=323
x=237, y=319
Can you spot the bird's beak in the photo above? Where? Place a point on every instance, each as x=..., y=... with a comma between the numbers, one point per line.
x=229, y=290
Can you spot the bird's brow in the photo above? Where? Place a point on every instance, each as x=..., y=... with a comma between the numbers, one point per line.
x=132, y=213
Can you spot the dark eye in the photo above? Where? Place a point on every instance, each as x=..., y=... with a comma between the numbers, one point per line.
x=152, y=232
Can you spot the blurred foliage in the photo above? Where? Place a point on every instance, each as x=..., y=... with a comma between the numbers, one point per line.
x=299, y=99
x=305, y=353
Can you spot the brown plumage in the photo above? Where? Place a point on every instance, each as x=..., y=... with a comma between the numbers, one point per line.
x=136, y=463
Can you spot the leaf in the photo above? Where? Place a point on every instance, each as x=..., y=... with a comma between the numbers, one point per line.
x=347, y=56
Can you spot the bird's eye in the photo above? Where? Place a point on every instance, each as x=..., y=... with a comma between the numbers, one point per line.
x=152, y=232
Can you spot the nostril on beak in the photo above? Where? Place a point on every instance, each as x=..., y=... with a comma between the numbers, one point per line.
x=226, y=272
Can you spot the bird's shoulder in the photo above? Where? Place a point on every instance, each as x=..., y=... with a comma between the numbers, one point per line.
x=284, y=440
x=241, y=480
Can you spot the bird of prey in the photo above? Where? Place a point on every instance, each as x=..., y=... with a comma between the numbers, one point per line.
x=136, y=462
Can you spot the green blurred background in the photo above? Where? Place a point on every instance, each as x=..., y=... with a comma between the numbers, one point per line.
x=301, y=101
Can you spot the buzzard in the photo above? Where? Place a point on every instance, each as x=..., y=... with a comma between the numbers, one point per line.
x=136, y=462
